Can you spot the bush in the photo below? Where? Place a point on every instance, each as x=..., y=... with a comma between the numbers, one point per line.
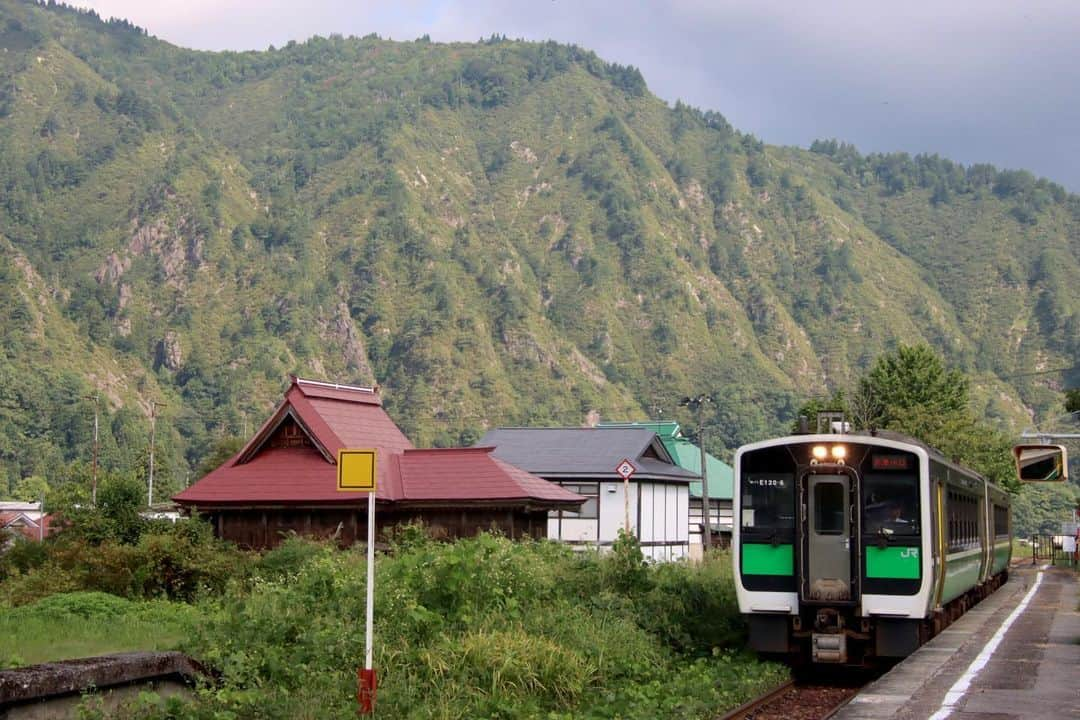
x=22, y=556
x=82, y=604
x=625, y=569
x=511, y=667
x=178, y=562
x=288, y=557
x=482, y=627
x=694, y=609
x=82, y=624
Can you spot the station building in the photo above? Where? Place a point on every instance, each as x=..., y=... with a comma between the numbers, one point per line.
x=284, y=479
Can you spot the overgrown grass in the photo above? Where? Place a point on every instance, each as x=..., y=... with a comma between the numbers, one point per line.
x=479, y=628
x=84, y=624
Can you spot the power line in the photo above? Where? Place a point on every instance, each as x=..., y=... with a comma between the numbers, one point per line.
x=1030, y=374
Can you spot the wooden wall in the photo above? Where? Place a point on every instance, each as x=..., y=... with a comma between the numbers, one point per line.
x=261, y=529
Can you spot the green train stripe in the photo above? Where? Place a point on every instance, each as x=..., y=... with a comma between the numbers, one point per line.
x=961, y=574
x=758, y=559
x=892, y=562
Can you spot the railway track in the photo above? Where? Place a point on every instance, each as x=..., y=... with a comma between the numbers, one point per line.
x=795, y=700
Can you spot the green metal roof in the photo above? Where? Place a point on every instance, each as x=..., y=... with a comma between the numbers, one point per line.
x=687, y=455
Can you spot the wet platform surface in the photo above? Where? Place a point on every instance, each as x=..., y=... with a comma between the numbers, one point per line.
x=1032, y=673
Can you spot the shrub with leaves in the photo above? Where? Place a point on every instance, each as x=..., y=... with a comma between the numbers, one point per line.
x=482, y=627
x=178, y=561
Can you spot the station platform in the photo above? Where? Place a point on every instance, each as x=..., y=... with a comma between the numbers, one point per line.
x=1014, y=656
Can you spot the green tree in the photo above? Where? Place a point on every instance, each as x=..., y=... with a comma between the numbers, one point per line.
x=964, y=439
x=910, y=391
x=223, y=449
x=116, y=516
x=837, y=403
x=913, y=377
x=30, y=489
x=1041, y=508
x=1072, y=400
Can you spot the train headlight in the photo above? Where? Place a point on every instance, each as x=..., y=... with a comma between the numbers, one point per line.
x=820, y=452
x=839, y=452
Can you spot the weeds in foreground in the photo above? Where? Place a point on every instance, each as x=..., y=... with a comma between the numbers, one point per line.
x=479, y=628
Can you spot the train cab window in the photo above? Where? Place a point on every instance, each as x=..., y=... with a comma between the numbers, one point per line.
x=768, y=501
x=890, y=504
x=830, y=505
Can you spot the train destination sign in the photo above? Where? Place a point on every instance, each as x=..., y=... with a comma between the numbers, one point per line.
x=890, y=462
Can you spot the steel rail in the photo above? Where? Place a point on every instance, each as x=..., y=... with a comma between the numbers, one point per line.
x=748, y=709
x=760, y=701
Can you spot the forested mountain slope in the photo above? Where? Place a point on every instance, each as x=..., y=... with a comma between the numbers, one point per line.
x=500, y=232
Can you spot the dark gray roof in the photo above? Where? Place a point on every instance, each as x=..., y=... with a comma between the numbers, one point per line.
x=584, y=452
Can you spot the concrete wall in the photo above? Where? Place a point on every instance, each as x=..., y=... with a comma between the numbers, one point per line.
x=57, y=690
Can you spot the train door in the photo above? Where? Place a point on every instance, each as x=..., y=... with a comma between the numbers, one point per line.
x=827, y=538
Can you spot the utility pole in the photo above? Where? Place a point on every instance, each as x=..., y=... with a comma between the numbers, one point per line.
x=93, y=475
x=41, y=519
x=697, y=404
x=153, y=426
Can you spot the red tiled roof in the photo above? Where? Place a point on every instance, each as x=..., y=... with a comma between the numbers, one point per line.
x=336, y=417
x=471, y=474
x=28, y=527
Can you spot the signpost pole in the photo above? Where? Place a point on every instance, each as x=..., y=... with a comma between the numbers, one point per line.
x=367, y=675
x=625, y=470
x=370, y=611
x=356, y=473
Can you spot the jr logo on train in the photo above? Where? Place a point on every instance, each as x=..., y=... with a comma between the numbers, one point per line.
x=849, y=548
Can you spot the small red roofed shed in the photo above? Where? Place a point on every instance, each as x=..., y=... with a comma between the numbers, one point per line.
x=284, y=479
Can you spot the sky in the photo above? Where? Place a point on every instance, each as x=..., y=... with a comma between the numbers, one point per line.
x=993, y=81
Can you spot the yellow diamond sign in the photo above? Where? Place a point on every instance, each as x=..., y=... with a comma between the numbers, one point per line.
x=356, y=470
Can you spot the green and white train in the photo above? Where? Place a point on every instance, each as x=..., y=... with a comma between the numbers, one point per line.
x=853, y=547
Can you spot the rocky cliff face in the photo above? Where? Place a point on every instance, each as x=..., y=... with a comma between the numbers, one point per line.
x=497, y=233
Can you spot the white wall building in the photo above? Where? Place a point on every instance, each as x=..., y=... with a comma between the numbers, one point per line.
x=687, y=455
x=583, y=460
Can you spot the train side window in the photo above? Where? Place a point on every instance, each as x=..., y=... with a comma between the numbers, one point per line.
x=1001, y=521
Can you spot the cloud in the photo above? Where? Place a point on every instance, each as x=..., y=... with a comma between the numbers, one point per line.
x=990, y=80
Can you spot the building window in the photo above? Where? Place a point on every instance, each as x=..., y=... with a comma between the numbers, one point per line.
x=590, y=509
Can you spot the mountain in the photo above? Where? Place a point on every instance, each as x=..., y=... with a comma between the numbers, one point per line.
x=497, y=233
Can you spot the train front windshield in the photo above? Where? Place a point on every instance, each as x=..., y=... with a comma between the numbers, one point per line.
x=890, y=491
x=768, y=501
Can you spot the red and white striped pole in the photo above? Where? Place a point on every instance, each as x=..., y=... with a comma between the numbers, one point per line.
x=367, y=683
